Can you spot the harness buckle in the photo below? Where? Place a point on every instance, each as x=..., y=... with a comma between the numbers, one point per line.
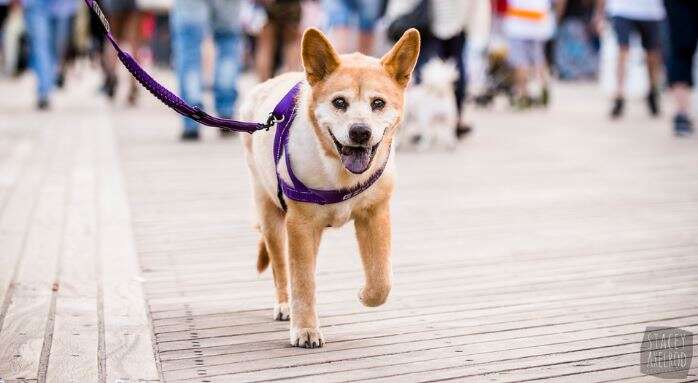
x=272, y=120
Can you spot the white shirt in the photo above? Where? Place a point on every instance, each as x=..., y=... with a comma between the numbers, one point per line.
x=529, y=20
x=449, y=17
x=649, y=10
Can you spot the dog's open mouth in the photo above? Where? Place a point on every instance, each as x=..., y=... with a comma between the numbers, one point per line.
x=356, y=159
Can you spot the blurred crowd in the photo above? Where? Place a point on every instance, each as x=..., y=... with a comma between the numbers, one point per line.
x=478, y=49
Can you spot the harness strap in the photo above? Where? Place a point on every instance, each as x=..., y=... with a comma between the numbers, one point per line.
x=297, y=190
x=166, y=96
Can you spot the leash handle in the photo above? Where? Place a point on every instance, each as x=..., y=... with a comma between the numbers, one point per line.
x=165, y=95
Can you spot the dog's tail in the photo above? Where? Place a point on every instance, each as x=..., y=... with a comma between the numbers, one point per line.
x=262, y=257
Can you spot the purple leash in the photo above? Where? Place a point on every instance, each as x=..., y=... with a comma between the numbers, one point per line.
x=282, y=116
x=169, y=98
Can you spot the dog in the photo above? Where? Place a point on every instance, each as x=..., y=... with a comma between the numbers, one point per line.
x=348, y=109
x=431, y=114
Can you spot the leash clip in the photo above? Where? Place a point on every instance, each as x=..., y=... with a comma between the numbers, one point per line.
x=273, y=120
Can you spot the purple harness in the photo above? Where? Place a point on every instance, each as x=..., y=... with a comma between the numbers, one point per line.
x=286, y=110
x=282, y=116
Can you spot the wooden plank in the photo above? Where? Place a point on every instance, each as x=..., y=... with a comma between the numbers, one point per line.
x=75, y=335
x=27, y=326
x=128, y=345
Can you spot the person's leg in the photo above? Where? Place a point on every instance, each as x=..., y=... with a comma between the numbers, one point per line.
x=188, y=25
x=266, y=49
x=229, y=56
x=684, y=37
x=289, y=24
x=650, y=35
x=36, y=14
x=132, y=34
x=369, y=12
x=453, y=50
x=338, y=13
x=60, y=29
x=519, y=59
x=622, y=27
x=541, y=69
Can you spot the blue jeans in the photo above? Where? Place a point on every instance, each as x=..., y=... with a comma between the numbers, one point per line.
x=345, y=13
x=48, y=36
x=191, y=20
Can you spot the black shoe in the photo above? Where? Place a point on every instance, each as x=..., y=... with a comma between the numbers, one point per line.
x=60, y=80
x=190, y=135
x=545, y=97
x=683, y=126
x=227, y=133
x=43, y=104
x=463, y=130
x=618, y=108
x=653, y=102
x=109, y=87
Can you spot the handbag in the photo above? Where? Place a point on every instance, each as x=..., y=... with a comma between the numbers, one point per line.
x=418, y=18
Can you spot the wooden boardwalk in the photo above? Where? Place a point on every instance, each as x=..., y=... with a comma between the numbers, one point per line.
x=540, y=250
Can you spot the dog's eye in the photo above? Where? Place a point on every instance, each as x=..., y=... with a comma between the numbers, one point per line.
x=377, y=104
x=340, y=103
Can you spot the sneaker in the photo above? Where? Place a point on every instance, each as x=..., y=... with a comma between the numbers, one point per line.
x=109, y=86
x=463, y=130
x=653, y=102
x=190, y=135
x=43, y=104
x=618, y=107
x=683, y=126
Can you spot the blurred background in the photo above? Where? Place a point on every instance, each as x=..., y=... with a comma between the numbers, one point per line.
x=211, y=51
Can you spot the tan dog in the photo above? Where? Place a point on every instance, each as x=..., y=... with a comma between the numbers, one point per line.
x=348, y=110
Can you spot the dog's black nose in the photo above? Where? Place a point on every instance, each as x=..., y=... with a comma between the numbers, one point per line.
x=359, y=134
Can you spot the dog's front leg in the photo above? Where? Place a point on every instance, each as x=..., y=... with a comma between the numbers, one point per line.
x=373, y=233
x=303, y=242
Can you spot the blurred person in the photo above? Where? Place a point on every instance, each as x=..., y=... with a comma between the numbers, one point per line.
x=4, y=12
x=48, y=28
x=577, y=41
x=125, y=19
x=683, y=26
x=445, y=39
x=642, y=17
x=281, y=33
x=190, y=21
x=348, y=17
x=528, y=24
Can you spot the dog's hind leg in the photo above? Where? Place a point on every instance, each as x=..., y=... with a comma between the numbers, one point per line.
x=272, y=247
x=373, y=233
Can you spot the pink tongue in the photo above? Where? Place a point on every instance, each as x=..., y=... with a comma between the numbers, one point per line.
x=357, y=160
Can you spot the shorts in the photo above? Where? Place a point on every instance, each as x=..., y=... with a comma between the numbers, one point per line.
x=649, y=30
x=524, y=53
x=345, y=13
x=683, y=31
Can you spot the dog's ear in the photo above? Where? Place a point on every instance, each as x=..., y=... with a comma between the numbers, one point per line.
x=319, y=57
x=402, y=58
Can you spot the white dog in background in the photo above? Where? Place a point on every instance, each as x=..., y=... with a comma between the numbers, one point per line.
x=431, y=115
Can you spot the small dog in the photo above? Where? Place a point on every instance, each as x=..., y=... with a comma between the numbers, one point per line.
x=432, y=115
x=348, y=110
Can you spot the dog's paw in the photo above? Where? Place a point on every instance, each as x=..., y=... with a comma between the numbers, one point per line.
x=373, y=298
x=282, y=311
x=307, y=337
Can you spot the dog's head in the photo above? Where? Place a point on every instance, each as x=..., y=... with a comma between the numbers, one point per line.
x=356, y=100
x=439, y=74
